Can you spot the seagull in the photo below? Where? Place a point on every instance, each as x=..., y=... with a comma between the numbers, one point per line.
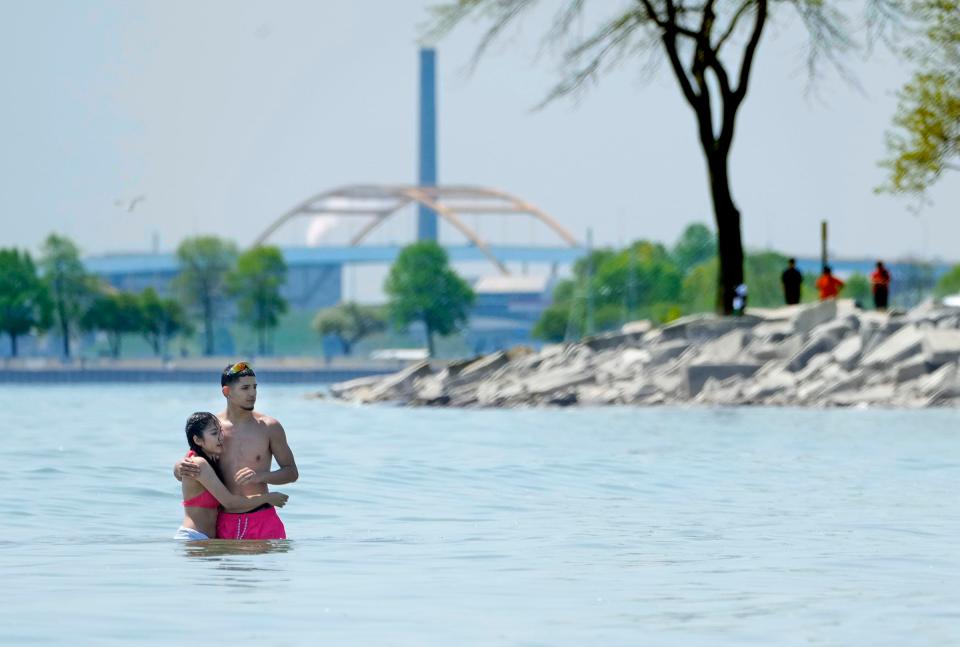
x=129, y=204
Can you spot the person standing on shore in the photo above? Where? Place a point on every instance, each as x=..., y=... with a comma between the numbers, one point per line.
x=792, y=281
x=880, y=281
x=828, y=284
x=251, y=441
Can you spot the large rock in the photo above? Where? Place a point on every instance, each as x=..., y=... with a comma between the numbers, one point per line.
x=816, y=346
x=702, y=327
x=358, y=390
x=942, y=382
x=847, y=352
x=770, y=384
x=876, y=395
x=610, y=340
x=723, y=349
x=640, y=327
x=662, y=353
x=772, y=331
x=895, y=348
x=911, y=369
x=698, y=374
x=941, y=346
x=773, y=350
x=810, y=316
x=625, y=364
x=401, y=386
x=539, y=385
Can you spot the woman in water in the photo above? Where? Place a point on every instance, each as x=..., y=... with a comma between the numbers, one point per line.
x=203, y=495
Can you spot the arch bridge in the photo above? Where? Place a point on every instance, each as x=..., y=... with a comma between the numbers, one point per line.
x=380, y=202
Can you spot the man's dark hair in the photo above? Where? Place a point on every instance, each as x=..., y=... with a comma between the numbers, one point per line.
x=234, y=372
x=827, y=269
x=792, y=261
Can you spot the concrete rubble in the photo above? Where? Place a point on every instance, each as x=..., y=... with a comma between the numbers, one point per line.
x=826, y=354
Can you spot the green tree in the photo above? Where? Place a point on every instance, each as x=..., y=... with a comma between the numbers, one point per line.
x=69, y=285
x=762, y=276
x=24, y=299
x=163, y=319
x=423, y=287
x=205, y=262
x=256, y=283
x=710, y=48
x=350, y=322
x=926, y=138
x=116, y=314
x=611, y=287
x=858, y=288
x=696, y=245
x=949, y=283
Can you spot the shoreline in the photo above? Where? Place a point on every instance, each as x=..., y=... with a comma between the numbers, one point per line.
x=194, y=371
x=820, y=355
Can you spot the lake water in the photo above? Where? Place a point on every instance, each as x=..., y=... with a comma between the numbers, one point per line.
x=440, y=527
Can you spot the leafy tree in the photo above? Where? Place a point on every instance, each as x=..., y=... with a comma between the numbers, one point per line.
x=949, y=283
x=762, y=276
x=553, y=322
x=163, y=319
x=858, y=288
x=710, y=48
x=926, y=139
x=350, y=322
x=696, y=245
x=24, y=300
x=256, y=283
x=423, y=287
x=632, y=283
x=116, y=314
x=69, y=285
x=205, y=262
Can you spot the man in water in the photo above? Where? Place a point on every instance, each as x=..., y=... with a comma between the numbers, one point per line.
x=251, y=440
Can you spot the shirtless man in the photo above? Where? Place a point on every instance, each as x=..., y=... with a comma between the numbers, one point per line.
x=251, y=441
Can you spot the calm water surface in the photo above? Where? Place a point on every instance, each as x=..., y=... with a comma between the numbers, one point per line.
x=433, y=527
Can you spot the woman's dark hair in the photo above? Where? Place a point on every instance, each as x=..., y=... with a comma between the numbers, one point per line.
x=196, y=423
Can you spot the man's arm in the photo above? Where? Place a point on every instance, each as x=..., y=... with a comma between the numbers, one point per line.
x=185, y=467
x=281, y=451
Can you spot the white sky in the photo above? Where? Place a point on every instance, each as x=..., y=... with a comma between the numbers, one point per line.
x=224, y=114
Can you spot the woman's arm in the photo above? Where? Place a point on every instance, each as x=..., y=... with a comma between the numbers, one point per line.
x=235, y=502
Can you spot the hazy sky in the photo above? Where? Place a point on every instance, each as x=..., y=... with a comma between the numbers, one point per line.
x=224, y=114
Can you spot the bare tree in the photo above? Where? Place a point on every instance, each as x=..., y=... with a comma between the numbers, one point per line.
x=710, y=47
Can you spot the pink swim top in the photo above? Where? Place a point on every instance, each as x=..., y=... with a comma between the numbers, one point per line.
x=202, y=500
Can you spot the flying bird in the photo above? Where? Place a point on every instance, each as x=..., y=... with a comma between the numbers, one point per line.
x=129, y=204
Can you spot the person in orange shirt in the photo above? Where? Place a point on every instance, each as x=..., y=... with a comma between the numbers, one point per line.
x=828, y=284
x=880, y=279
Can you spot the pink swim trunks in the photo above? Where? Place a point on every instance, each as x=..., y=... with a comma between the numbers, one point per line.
x=261, y=523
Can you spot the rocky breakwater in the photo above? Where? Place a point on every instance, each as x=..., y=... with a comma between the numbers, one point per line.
x=827, y=354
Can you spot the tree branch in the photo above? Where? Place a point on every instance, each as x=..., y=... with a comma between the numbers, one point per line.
x=746, y=66
x=746, y=4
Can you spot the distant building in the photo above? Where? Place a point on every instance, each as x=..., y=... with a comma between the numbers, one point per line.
x=310, y=284
x=506, y=309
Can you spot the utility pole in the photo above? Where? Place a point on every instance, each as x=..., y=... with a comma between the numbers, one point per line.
x=426, y=218
x=632, y=282
x=823, y=244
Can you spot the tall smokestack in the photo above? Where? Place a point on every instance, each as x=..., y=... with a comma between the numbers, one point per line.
x=426, y=218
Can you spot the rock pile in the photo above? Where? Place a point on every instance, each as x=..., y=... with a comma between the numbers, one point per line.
x=820, y=355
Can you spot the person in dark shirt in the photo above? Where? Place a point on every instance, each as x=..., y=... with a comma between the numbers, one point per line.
x=880, y=281
x=792, y=281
